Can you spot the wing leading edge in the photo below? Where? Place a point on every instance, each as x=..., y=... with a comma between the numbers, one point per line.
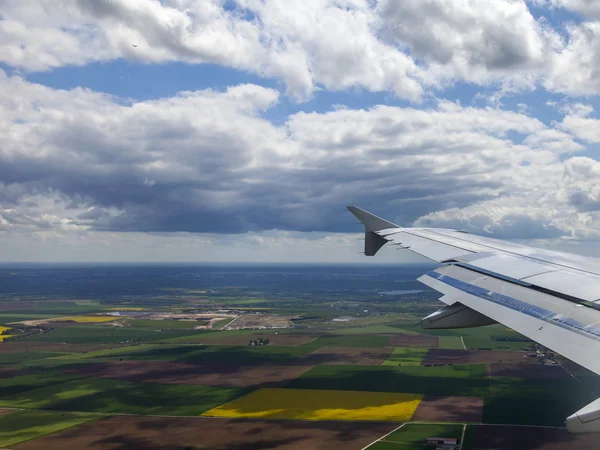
x=552, y=298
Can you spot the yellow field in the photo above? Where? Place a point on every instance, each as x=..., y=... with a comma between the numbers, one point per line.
x=4, y=336
x=86, y=319
x=311, y=404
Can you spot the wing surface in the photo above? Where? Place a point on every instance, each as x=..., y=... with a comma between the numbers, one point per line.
x=551, y=297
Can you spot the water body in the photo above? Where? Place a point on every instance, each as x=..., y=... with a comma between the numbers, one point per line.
x=401, y=292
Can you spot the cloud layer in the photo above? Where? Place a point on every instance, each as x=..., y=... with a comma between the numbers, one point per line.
x=208, y=161
x=83, y=166
x=410, y=48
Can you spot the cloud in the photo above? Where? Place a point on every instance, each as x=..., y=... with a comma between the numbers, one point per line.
x=587, y=8
x=474, y=39
x=567, y=205
x=207, y=161
x=412, y=48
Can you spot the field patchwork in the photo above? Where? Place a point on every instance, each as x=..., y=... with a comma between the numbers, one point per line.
x=209, y=374
x=116, y=396
x=349, y=355
x=406, y=357
x=320, y=405
x=117, y=433
x=2, y=331
x=413, y=340
x=22, y=426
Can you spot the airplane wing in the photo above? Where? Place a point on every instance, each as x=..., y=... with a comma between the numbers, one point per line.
x=551, y=297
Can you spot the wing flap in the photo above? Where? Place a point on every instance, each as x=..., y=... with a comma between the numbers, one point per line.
x=565, y=327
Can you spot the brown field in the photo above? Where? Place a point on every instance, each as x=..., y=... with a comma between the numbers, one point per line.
x=526, y=438
x=439, y=356
x=450, y=409
x=17, y=306
x=6, y=410
x=535, y=370
x=172, y=433
x=9, y=372
x=346, y=355
x=213, y=374
x=17, y=347
x=407, y=340
x=274, y=339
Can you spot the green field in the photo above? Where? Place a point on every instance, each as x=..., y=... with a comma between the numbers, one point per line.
x=528, y=402
x=405, y=357
x=350, y=341
x=161, y=324
x=82, y=334
x=9, y=317
x=205, y=336
x=412, y=436
x=21, y=357
x=29, y=381
x=23, y=426
x=113, y=396
x=451, y=342
x=469, y=380
x=201, y=353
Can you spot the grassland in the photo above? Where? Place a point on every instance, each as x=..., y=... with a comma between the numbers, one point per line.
x=23, y=426
x=322, y=405
x=451, y=342
x=112, y=396
x=412, y=436
x=161, y=324
x=30, y=381
x=21, y=357
x=82, y=334
x=467, y=380
x=201, y=353
x=405, y=357
x=350, y=341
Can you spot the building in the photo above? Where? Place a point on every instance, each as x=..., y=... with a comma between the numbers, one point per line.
x=442, y=442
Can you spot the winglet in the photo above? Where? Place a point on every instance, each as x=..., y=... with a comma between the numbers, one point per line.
x=372, y=223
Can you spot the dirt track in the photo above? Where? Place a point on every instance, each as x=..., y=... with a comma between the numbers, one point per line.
x=406, y=340
x=450, y=409
x=144, y=433
x=217, y=374
x=439, y=356
x=346, y=355
x=528, y=438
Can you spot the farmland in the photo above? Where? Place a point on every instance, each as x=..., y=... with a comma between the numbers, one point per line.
x=20, y=426
x=323, y=405
x=85, y=378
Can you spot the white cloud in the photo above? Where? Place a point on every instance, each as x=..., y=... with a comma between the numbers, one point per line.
x=565, y=204
x=589, y=8
x=410, y=48
x=206, y=161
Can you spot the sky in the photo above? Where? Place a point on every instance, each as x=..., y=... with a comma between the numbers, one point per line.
x=239, y=130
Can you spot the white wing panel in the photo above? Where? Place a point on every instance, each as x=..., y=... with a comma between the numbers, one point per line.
x=565, y=260
x=436, y=251
x=512, y=266
x=567, y=328
x=585, y=286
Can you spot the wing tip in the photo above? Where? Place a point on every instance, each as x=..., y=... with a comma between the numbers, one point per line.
x=369, y=220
